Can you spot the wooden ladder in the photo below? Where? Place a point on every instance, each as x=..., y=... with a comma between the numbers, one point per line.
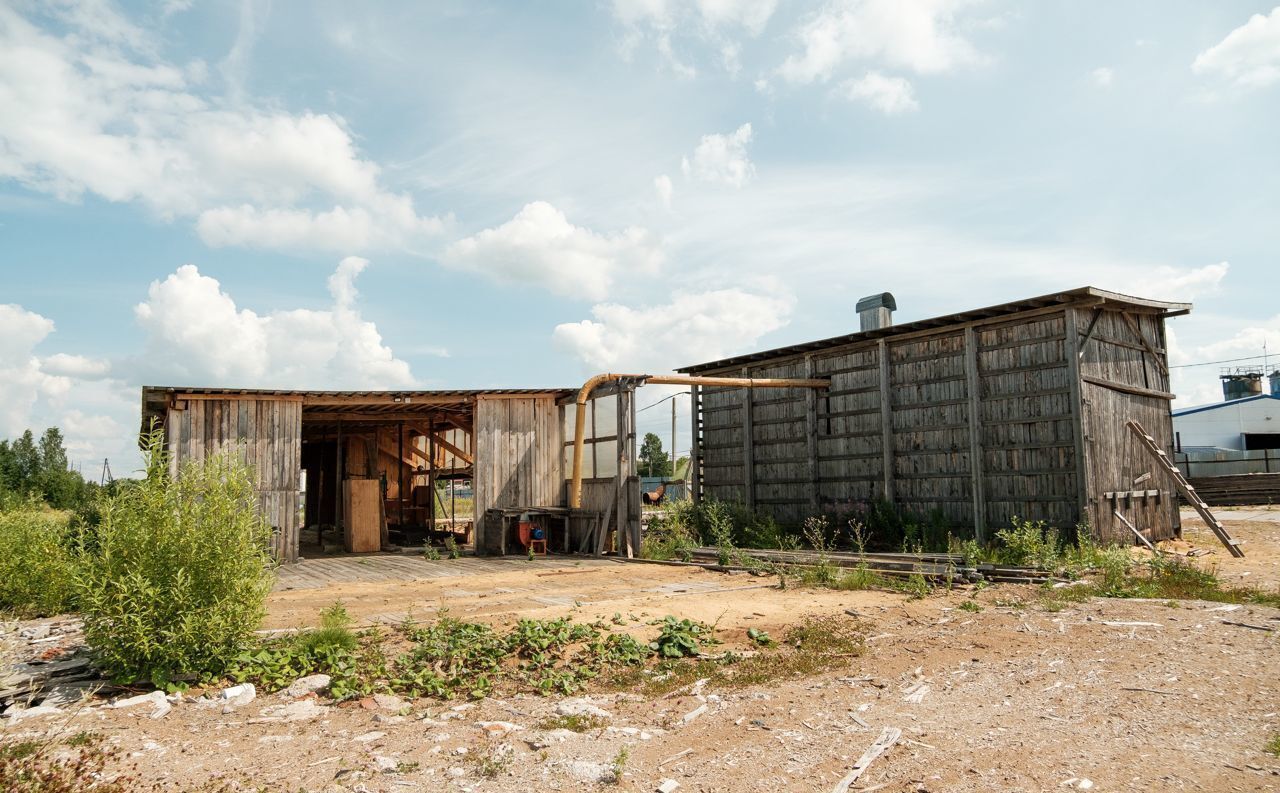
x=1183, y=485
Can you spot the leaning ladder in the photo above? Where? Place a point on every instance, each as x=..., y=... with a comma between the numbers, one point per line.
x=1183, y=485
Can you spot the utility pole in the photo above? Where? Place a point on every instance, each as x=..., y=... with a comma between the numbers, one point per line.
x=673, y=437
x=106, y=473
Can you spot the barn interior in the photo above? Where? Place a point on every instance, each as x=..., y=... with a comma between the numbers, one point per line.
x=395, y=469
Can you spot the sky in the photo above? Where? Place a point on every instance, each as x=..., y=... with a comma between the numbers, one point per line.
x=475, y=194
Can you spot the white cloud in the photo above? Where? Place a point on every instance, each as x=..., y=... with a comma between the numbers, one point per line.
x=722, y=159
x=540, y=246
x=1249, y=56
x=1199, y=385
x=22, y=382
x=889, y=95
x=701, y=325
x=196, y=335
x=77, y=366
x=920, y=35
x=1103, y=76
x=717, y=23
x=91, y=118
x=751, y=15
x=662, y=185
x=1169, y=283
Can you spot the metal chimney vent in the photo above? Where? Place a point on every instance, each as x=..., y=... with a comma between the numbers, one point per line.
x=876, y=311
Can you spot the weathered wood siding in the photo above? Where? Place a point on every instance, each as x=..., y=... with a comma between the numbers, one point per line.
x=267, y=434
x=981, y=422
x=1114, y=357
x=518, y=457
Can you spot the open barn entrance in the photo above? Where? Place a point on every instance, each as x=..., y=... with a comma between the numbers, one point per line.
x=385, y=474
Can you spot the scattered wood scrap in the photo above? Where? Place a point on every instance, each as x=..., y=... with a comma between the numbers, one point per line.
x=1247, y=625
x=888, y=737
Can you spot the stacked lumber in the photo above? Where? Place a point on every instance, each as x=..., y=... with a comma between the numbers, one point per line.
x=1238, y=490
x=932, y=566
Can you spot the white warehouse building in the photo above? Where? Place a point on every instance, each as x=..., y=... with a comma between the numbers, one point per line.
x=1248, y=424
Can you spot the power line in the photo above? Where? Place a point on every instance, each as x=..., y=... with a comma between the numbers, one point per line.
x=1215, y=363
x=660, y=401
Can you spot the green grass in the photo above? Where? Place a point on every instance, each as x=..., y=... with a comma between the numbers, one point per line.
x=1273, y=745
x=815, y=645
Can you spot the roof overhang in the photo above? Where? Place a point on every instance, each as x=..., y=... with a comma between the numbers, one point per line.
x=342, y=406
x=1087, y=295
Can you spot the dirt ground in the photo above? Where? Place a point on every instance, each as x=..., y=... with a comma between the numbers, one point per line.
x=1102, y=695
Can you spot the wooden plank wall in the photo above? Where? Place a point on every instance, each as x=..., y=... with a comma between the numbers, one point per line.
x=518, y=457
x=267, y=434
x=1114, y=354
x=1028, y=422
x=975, y=421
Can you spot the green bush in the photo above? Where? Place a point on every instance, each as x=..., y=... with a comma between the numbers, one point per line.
x=182, y=569
x=1029, y=542
x=37, y=562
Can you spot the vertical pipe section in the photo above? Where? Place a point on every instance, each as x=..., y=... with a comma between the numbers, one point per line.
x=584, y=396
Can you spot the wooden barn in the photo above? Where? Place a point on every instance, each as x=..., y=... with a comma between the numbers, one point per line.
x=372, y=469
x=1014, y=410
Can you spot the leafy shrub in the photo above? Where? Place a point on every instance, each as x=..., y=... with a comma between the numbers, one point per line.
x=681, y=638
x=37, y=563
x=1029, y=542
x=181, y=572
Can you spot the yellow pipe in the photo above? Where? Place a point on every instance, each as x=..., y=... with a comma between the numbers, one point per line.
x=584, y=396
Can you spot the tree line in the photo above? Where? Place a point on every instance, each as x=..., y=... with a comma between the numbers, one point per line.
x=38, y=469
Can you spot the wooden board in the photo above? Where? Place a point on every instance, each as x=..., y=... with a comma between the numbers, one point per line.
x=362, y=515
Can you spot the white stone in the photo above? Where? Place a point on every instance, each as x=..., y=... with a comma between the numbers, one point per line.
x=386, y=765
x=668, y=786
x=581, y=707
x=307, y=685
x=390, y=702
x=17, y=714
x=153, y=699
x=590, y=771
x=302, y=710
x=498, y=729
x=369, y=737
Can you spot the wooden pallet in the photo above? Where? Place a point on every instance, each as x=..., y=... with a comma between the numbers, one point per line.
x=1162, y=459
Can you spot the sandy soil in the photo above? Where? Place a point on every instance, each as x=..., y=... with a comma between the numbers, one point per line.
x=1016, y=697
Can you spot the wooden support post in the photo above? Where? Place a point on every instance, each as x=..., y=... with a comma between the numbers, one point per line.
x=633, y=480
x=886, y=420
x=1137, y=331
x=695, y=445
x=431, y=477
x=748, y=447
x=1080, y=418
x=811, y=436
x=619, y=481
x=400, y=475
x=337, y=485
x=976, y=463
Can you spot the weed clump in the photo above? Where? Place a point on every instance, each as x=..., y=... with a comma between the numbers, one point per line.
x=182, y=569
x=37, y=561
x=43, y=767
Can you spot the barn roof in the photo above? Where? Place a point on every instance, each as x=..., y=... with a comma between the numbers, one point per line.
x=362, y=404
x=1086, y=294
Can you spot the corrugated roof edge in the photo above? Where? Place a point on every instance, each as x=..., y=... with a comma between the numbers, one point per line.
x=1057, y=298
x=1225, y=404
